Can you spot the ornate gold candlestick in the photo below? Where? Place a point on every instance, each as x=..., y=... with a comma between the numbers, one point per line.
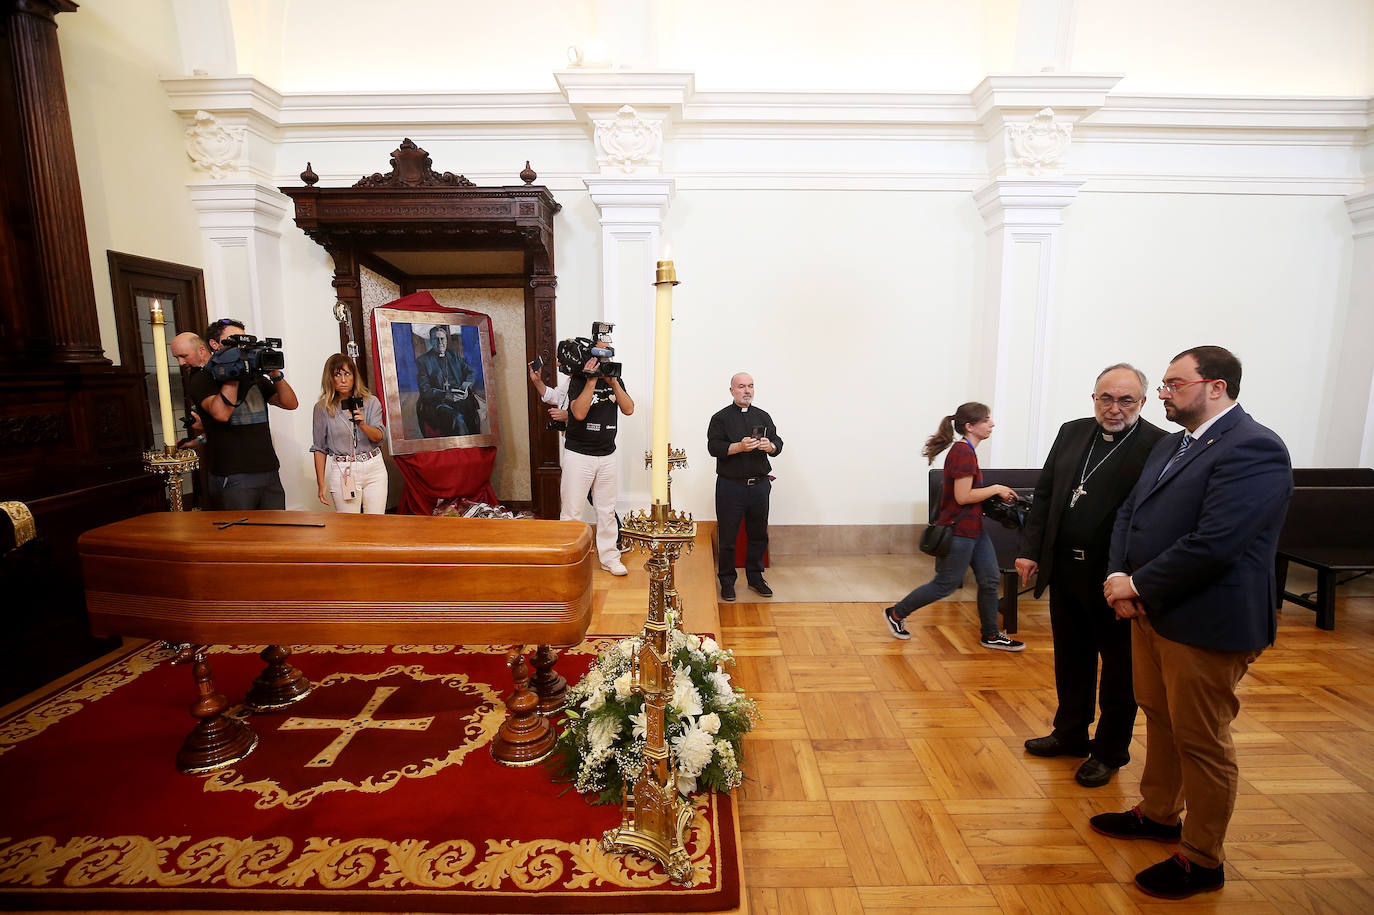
x=653, y=819
x=677, y=458
x=171, y=462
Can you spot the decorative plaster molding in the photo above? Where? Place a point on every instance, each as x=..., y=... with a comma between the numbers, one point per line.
x=629, y=143
x=1361, y=210
x=212, y=146
x=1039, y=146
x=936, y=141
x=239, y=207
x=1026, y=203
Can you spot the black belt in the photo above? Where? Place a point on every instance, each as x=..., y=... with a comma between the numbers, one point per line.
x=1075, y=553
x=746, y=481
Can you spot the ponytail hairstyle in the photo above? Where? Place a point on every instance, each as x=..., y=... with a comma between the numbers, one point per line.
x=330, y=398
x=953, y=426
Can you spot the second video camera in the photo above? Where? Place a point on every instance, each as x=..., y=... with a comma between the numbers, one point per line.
x=573, y=354
x=244, y=357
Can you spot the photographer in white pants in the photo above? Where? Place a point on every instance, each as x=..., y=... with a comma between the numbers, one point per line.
x=594, y=409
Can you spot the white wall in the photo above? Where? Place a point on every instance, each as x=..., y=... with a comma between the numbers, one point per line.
x=827, y=240
x=1316, y=47
x=129, y=156
x=1146, y=276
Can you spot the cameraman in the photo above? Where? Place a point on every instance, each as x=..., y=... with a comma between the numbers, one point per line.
x=589, y=455
x=242, y=463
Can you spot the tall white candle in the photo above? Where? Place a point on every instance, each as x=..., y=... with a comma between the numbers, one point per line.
x=665, y=280
x=164, y=393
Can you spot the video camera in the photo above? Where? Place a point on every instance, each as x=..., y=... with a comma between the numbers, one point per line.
x=244, y=357
x=573, y=354
x=1011, y=515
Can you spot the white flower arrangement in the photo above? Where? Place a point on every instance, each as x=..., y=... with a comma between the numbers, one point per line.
x=601, y=746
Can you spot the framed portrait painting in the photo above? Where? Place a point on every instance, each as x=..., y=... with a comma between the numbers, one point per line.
x=437, y=379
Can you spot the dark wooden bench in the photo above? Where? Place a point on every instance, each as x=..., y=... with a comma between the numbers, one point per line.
x=1006, y=541
x=1333, y=476
x=1329, y=529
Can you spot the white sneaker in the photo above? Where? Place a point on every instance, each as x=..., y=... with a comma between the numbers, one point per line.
x=615, y=567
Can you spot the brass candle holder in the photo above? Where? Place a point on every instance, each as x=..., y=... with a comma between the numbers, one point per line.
x=653, y=819
x=677, y=458
x=171, y=463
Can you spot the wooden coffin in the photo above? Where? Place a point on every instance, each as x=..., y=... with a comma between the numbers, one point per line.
x=358, y=579
x=303, y=578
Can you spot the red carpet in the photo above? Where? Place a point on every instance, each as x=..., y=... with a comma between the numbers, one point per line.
x=403, y=810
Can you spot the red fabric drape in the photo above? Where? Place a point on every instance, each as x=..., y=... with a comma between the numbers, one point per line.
x=434, y=475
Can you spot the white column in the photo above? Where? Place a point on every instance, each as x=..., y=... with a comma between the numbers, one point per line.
x=240, y=225
x=1029, y=121
x=1014, y=351
x=628, y=115
x=1355, y=373
x=632, y=211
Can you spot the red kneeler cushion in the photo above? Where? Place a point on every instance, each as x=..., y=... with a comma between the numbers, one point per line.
x=741, y=544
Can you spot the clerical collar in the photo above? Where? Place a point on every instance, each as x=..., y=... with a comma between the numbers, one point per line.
x=743, y=409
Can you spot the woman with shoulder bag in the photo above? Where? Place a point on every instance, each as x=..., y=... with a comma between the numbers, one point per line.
x=961, y=496
x=347, y=423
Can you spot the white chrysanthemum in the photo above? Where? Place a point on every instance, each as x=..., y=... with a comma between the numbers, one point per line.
x=623, y=686
x=602, y=733
x=641, y=725
x=694, y=748
x=686, y=698
x=709, y=646
x=676, y=640
x=709, y=723
x=720, y=684
x=628, y=648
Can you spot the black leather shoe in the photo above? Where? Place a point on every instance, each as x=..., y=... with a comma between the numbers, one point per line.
x=1179, y=878
x=1053, y=746
x=761, y=587
x=1094, y=773
x=1134, y=825
x=727, y=591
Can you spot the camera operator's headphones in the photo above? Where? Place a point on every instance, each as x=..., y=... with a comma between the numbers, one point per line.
x=572, y=355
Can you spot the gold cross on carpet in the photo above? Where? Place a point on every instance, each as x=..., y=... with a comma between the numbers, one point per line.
x=349, y=727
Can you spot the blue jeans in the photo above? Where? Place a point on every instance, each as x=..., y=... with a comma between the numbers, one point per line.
x=977, y=552
x=246, y=492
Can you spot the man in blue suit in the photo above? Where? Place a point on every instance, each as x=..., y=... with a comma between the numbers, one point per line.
x=1192, y=566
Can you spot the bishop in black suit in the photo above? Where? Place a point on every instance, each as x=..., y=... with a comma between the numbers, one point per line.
x=1090, y=471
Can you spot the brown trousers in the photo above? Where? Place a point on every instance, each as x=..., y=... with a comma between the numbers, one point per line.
x=1188, y=695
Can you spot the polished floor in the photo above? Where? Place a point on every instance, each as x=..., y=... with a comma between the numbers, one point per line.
x=890, y=776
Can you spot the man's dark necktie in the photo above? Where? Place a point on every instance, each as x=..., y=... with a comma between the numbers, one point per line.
x=1183, y=446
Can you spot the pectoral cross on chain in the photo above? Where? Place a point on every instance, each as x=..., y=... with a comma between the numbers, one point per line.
x=1079, y=491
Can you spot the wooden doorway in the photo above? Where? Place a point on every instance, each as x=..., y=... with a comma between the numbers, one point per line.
x=136, y=282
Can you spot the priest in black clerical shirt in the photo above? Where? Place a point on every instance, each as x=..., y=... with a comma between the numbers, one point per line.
x=741, y=437
x=1090, y=471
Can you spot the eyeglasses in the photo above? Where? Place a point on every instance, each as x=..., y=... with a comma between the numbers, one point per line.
x=1170, y=388
x=1125, y=403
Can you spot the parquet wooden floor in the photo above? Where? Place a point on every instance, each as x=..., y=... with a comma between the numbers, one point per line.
x=890, y=776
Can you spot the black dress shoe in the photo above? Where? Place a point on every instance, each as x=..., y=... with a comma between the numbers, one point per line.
x=761, y=587
x=1094, y=773
x=727, y=591
x=1053, y=746
x=1134, y=825
x=1179, y=878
